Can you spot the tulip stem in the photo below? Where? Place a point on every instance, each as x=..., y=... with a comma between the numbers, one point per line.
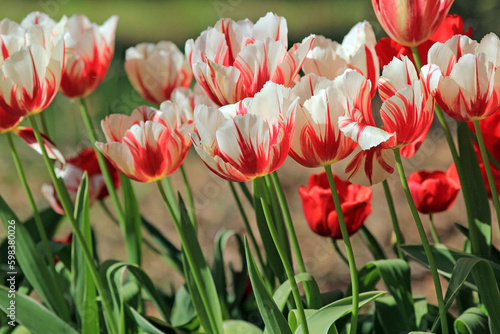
x=189, y=194
x=291, y=231
x=36, y=214
x=425, y=242
x=132, y=252
x=283, y=255
x=372, y=243
x=246, y=192
x=433, y=229
x=416, y=57
x=487, y=168
x=247, y=223
x=167, y=183
x=395, y=223
x=189, y=256
x=67, y=205
x=102, y=162
x=45, y=129
x=349, y=251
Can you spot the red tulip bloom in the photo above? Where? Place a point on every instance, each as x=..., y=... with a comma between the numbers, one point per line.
x=319, y=209
x=411, y=22
x=89, y=49
x=388, y=48
x=435, y=191
x=72, y=173
x=234, y=59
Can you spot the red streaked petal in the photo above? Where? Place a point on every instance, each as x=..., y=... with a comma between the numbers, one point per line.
x=28, y=135
x=369, y=167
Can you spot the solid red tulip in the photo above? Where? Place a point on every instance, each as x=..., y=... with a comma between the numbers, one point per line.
x=319, y=208
x=434, y=191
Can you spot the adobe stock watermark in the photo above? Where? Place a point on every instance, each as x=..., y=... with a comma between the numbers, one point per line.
x=12, y=273
x=52, y=7
x=225, y=7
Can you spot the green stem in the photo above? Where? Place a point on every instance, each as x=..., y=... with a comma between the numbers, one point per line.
x=102, y=162
x=45, y=129
x=189, y=195
x=167, y=183
x=189, y=256
x=247, y=223
x=433, y=230
x=416, y=57
x=394, y=219
x=425, y=242
x=283, y=256
x=291, y=230
x=339, y=252
x=487, y=168
x=31, y=200
x=67, y=205
x=349, y=251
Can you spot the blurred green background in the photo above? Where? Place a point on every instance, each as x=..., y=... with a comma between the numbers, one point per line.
x=152, y=21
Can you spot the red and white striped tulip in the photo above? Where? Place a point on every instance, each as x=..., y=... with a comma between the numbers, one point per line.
x=249, y=139
x=148, y=145
x=317, y=140
x=330, y=59
x=89, y=50
x=469, y=88
x=407, y=112
x=234, y=59
x=155, y=70
x=31, y=69
x=411, y=22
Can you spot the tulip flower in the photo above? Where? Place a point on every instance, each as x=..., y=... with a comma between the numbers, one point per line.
x=233, y=60
x=149, y=144
x=434, y=191
x=8, y=122
x=407, y=112
x=469, y=88
x=242, y=141
x=388, y=48
x=411, y=22
x=155, y=70
x=72, y=172
x=89, y=50
x=330, y=59
x=31, y=69
x=319, y=209
x=317, y=140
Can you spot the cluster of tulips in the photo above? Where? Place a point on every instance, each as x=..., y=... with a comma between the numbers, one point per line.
x=255, y=102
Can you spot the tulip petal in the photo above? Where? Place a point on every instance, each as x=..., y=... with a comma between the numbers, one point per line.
x=369, y=167
x=28, y=135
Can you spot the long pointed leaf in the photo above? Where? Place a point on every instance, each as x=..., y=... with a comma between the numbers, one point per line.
x=132, y=223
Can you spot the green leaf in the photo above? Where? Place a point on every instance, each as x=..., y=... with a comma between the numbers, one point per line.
x=196, y=266
x=283, y=292
x=84, y=290
x=446, y=259
x=293, y=319
x=113, y=272
x=240, y=327
x=271, y=315
x=272, y=255
x=150, y=328
x=171, y=254
x=132, y=223
x=322, y=320
x=183, y=312
x=33, y=265
x=474, y=185
x=219, y=271
x=472, y=321
x=32, y=315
